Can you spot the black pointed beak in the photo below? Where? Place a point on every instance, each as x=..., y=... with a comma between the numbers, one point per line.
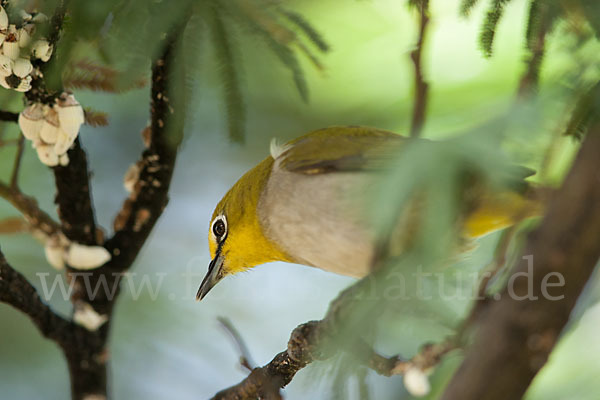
x=213, y=276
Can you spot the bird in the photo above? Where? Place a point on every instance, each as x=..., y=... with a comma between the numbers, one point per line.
x=305, y=203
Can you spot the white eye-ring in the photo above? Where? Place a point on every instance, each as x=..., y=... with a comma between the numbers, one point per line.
x=219, y=227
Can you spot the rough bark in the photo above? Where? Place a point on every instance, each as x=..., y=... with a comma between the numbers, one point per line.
x=516, y=334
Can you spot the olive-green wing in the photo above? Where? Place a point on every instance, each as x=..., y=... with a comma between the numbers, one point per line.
x=343, y=148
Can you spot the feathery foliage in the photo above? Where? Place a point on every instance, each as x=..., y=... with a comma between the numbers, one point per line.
x=95, y=118
x=125, y=35
x=492, y=18
x=226, y=58
x=466, y=6
x=587, y=106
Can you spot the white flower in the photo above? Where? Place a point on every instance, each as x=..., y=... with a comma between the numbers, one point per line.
x=84, y=257
x=24, y=85
x=31, y=120
x=86, y=316
x=64, y=160
x=22, y=67
x=3, y=18
x=6, y=65
x=11, y=50
x=55, y=254
x=416, y=382
x=25, y=35
x=41, y=49
x=70, y=115
x=50, y=128
x=131, y=177
x=47, y=155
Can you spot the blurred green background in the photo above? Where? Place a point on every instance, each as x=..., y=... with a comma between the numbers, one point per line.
x=169, y=346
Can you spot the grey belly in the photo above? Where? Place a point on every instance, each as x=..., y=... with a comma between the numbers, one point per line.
x=320, y=220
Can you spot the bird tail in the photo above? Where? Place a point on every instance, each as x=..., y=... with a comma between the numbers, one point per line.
x=501, y=210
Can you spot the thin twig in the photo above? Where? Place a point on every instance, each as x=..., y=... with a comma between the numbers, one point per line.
x=17, y=163
x=245, y=357
x=318, y=340
x=28, y=207
x=421, y=87
x=16, y=291
x=13, y=225
x=8, y=116
x=9, y=142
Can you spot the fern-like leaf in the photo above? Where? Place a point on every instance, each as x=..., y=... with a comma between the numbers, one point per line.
x=490, y=24
x=533, y=24
x=86, y=74
x=278, y=39
x=587, y=105
x=95, y=118
x=224, y=52
x=305, y=26
x=466, y=6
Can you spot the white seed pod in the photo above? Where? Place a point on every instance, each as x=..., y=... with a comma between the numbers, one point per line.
x=84, y=257
x=63, y=143
x=25, y=35
x=6, y=65
x=64, y=159
x=3, y=18
x=50, y=132
x=25, y=16
x=47, y=155
x=131, y=177
x=2, y=37
x=41, y=49
x=24, y=85
x=70, y=115
x=31, y=120
x=416, y=382
x=40, y=18
x=22, y=67
x=86, y=316
x=55, y=254
x=11, y=49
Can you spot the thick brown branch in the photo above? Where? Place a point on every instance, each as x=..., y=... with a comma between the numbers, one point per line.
x=84, y=350
x=421, y=87
x=517, y=333
x=73, y=197
x=16, y=291
x=150, y=195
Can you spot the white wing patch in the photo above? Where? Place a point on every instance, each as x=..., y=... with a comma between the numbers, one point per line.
x=277, y=149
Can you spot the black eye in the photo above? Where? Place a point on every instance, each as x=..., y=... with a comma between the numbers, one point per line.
x=219, y=228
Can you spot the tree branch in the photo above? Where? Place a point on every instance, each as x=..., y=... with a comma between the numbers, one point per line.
x=8, y=116
x=73, y=197
x=516, y=334
x=16, y=291
x=17, y=164
x=27, y=205
x=421, y=86
x=147, y=201
x=319, y=340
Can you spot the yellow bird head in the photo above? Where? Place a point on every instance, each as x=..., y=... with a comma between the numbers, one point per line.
x=236, y=239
